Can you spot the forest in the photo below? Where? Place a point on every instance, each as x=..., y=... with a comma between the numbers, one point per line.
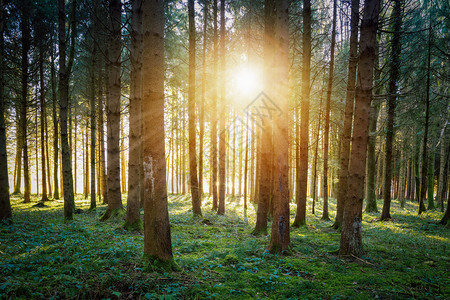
x=215, y=149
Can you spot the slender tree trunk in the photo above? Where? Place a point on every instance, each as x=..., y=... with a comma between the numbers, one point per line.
x=222, y=132
x=302, y=165
x=101, y=139
x=134, y=168
x=157, y=240
x=214, y=113
x=246, y=162
x=123, y=178
x=441, y=187
x=423, y=184
x=113, y=113
x=26, y=43
x=280, y=237
x=55, y=127
x=43, y=117
x=196, y=200
x=5, y=204
x=392, y=97
x=348, y=115
x=327, y=117
x=351, y=242
x=92, y=115
x=202, y=103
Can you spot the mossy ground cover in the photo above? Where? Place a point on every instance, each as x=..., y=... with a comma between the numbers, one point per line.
x=41, y=256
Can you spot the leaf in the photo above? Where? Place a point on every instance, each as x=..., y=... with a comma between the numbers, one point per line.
x=118, y=294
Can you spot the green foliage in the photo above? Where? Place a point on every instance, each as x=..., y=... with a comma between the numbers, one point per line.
x=43, y=257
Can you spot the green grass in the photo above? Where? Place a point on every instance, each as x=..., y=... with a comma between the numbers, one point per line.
x=43, y=257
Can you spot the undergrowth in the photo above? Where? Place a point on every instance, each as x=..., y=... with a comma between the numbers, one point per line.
x=41, y=256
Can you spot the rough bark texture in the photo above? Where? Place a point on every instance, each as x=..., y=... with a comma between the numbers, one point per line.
x=157, y=240
x=92, y=114
x=202, y=103
x=222, y=132
x=351, y=242
x=265, y=155
x=26, y=43
x=5, y=204
x=280, y=238
x=113, y=111
x=302, y=170
x=196, y=201
x=214, y=113
x=327, y=117
x=134, y=156
x=348, y=115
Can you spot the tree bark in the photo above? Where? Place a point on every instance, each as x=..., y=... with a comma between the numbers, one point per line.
x=196, y=200
x=202, y=103
x=43, y=117
x=302, y=165
x=327, y=117
x=348, y=114
x=134, y=154
x=157, y=240
x=113, y=112
x=392, y=98
x=5, y=204
x=55, y=127
x=214, y=113
x=351, y=242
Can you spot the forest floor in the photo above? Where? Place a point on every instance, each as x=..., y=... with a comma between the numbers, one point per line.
x=41, y=256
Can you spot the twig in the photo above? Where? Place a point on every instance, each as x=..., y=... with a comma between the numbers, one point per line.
x=364, y=261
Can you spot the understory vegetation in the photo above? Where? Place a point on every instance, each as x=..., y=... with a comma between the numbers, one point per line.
x=41, y=256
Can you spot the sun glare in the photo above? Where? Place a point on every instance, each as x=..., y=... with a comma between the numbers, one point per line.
x=247, y=82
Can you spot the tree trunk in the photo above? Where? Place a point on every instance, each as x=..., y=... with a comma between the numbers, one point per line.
x=280, y=238
x=26, y=43
x=123, y=178
x=196, y=200
x=392, y=98
x=351, y=243
x=101, y=139
x=222, y=109
x=302, y=165
x=214, y=113
x=43, y=117
x=157, y=240
x=113, y=113
x=442, y=162
x=348, y=115
x=327, y=118
x=134, y=185
x=202, y=103
x=92, y=113
x=55, y=127
x=5, y=204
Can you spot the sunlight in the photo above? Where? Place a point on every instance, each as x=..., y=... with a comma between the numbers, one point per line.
x=247, y=82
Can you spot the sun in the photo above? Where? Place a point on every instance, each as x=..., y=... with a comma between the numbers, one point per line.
x=246, y=81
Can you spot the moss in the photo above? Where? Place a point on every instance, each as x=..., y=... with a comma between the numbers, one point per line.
x=114, y=214
x=230, y=259
x=136, y=226
x=259, y=232
x=156, y=264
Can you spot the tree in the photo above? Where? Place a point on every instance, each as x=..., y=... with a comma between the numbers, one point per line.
x=222, y=133
x=157, y=240
x=348, y=114
x=351, y=242
x=196, y=197
x=113, y=112
x=327, y=117
x=392, y=96
x=134, y=168
x=214, y=113
x=280, y=237
x=64, y=76
x=5, y=204
x=302, y=165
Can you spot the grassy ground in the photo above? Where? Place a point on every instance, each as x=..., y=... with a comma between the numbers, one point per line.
x=43, y=257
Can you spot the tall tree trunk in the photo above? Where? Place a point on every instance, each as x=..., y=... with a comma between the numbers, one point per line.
x=302, y=165
x=55, y=127
x=351, y=243
x=123, y=178
x=5, y=204
x=442, y=155
x=222, y=109
x=92, y=115
x=348, y=115
x=64, y=75
x=134, y=168
x=101, y=138
x=113, y=112
x=26, y=43
x=43, y=117
x=202, y=103
x=196, y=200
x=157, y=240
x=214, y=113
x=423, y=184
x=327, y=117
x=392, y=97
x=280, y=237
x=265, y=154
